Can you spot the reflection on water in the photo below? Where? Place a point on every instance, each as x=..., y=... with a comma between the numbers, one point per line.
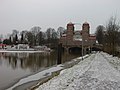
x=16, y=65
x=32, y=61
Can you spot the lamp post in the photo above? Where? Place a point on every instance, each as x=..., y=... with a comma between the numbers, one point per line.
x=82, y=48
x=90, y=46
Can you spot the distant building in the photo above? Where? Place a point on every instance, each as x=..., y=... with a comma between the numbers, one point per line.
x=73, y=38
x=3, y=46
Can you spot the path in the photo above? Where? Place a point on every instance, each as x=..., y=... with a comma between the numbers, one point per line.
x=93, y=73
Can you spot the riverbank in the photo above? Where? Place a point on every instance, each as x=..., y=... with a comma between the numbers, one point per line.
x=20, y=51
x=40, y=76
x=56, y=73
x=100, y=71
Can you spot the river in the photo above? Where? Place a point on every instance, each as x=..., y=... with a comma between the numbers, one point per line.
x=14, y=66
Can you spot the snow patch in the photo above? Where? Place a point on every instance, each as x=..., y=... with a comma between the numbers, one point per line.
x=93, y=73
x=37, y=76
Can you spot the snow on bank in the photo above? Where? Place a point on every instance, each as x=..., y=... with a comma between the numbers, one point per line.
x=37, y=76
x=44, y=73
x=21, y=51
x=93, y=73
x=114, y=61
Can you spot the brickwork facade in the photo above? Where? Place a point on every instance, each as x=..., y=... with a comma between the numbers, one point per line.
x=74, y=38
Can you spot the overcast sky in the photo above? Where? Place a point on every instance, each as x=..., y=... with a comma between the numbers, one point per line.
x=24, y=14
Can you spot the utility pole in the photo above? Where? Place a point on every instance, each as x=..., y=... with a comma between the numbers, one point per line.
x=82, y=47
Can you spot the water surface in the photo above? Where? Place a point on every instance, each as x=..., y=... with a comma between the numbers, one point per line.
x=14, y=66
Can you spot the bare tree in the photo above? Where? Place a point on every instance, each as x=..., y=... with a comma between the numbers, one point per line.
x=23, y=38
x=14, y=36
x=30, y=38
x=51, y=36
x=100, y=34
x=60, y=31
x=35, y=30
x=41, y=38
x=1, y=38
x=49, y=32
x=14, y=32
x=112, y=35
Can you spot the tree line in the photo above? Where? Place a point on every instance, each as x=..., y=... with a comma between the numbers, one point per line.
x=109, y=36
x=35, y=36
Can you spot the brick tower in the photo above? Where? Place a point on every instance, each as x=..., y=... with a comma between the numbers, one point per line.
x=85, y=31
x=70, y=32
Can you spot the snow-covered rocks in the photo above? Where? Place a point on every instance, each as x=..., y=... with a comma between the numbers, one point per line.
x=93, y=73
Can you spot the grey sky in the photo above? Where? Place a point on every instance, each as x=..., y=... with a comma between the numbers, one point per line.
x=24, y=14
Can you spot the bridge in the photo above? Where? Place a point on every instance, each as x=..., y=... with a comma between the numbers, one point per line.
x=79, y=40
